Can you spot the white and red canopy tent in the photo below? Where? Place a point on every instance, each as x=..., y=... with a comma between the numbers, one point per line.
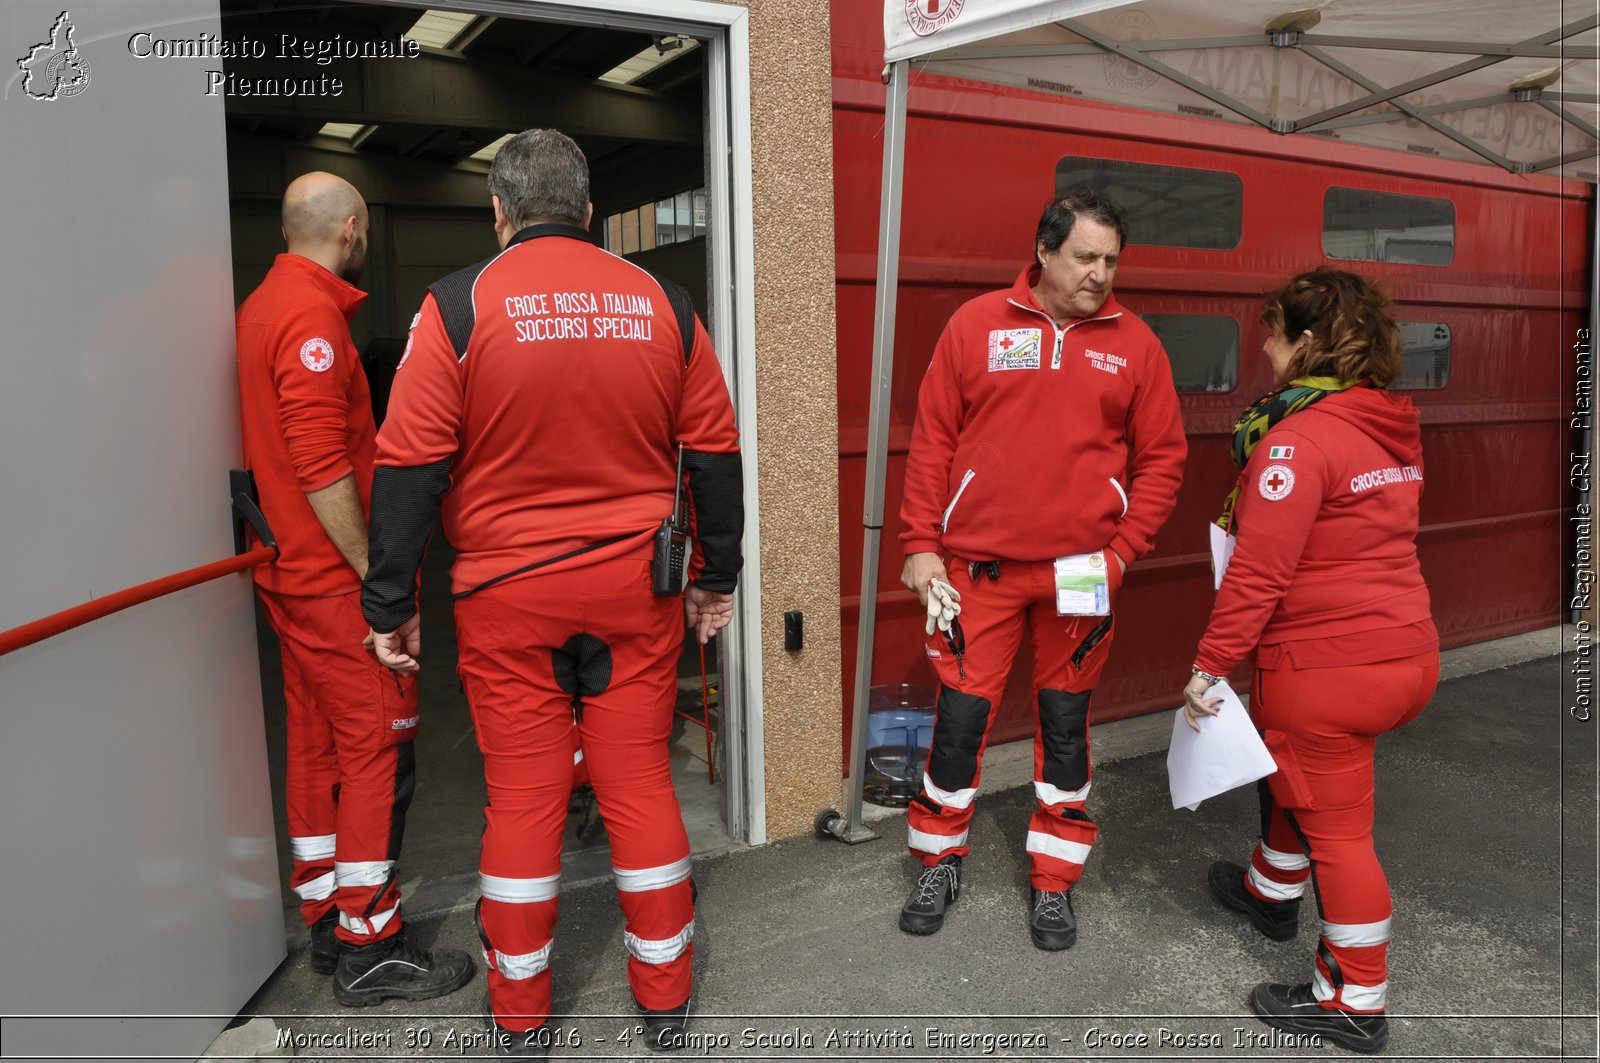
x=1513, y=84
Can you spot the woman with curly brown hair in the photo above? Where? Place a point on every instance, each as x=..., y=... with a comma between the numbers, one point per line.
x=1324, y=586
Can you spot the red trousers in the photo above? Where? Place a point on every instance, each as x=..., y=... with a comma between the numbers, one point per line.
x=1069, y=653
x=595, y=646
x=1322, y=725
x=351, y=767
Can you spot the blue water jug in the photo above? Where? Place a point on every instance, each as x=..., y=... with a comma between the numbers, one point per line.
x=899, y=731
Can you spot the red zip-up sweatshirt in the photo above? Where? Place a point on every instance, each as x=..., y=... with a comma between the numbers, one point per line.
x=306, y=414
x=1035, y=441
x=560, y=412
x=1325, y=569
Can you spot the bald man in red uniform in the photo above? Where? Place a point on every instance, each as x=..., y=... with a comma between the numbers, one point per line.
x=309, y=440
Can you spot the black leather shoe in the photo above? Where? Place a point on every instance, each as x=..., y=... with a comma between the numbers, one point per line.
x=663, y=1030
x=937, y=888
x=325, y=942
x=1051, y=921
x=396, y=969
x=1278, y=920
x=1294, y=1009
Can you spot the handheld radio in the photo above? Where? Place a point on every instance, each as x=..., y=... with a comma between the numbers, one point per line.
x=671, y=555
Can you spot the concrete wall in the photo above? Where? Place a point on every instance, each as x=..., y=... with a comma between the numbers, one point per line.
x=791, y=101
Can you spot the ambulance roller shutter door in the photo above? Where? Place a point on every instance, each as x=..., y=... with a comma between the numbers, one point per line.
x=139, y=877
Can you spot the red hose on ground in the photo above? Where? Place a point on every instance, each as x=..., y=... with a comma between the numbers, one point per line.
x=78, y=615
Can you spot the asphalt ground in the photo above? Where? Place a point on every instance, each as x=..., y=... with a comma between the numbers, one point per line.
x=1486, y=826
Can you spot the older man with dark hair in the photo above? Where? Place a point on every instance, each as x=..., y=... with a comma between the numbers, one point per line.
x=555, y=391
x=1046, y=454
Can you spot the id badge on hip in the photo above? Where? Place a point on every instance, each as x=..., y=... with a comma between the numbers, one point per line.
x=1082, y=588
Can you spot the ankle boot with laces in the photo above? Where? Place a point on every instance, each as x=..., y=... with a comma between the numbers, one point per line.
x=1051, y=921
x=935, y=891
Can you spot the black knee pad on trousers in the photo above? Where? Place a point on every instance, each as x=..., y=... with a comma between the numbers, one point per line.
x=1064, y=725
x=957, y=737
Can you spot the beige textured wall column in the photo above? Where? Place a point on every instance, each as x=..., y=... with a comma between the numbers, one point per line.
x=791, y=104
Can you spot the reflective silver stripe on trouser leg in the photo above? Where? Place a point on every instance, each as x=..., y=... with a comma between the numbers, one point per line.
x=519, y=968
x=1272, y=889
x=310, y=849
x=366, y=873
x=318, y=889
x=520, y=890
x=923, y=842
x=663, y=950
x=642, y=879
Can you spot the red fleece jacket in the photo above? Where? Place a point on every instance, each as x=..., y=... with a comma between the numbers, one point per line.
x=1326, y=567
x=306, y=414
x=559, y=419
x=1034, y=441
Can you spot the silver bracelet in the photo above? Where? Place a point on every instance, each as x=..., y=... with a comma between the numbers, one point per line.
x=1211, y=680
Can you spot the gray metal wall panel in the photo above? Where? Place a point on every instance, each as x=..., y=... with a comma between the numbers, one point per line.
x=139, y=876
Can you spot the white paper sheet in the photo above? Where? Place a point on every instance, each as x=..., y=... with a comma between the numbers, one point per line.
x=1221, y=553
x=1226, y=752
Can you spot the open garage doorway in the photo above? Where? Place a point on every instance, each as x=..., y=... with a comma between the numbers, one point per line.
x=425, y=97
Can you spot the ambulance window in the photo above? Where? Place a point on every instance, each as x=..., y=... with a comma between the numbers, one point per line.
x=1203, y=349
x=1167, y=206
x=1385, y=227
x=1425, y=361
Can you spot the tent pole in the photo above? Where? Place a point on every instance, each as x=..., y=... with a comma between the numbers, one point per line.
x=1581, y=587
x=894, y=151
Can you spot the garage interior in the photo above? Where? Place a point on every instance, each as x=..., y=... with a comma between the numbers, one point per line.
x=416, y=136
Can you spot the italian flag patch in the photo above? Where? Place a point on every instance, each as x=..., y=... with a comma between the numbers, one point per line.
x=1280, y=453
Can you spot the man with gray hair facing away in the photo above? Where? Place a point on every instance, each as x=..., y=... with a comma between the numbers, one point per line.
x=546, y=400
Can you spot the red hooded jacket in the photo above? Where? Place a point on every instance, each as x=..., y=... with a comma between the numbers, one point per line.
x=1325, y=569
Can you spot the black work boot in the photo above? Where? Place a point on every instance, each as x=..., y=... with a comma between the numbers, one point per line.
x=936, y=889
x=1295, y=1009
x=522, y=1046
x=395, y=968
x=325, y=942
x=1051, y=922
x=1278, y=920
x=663, y=1030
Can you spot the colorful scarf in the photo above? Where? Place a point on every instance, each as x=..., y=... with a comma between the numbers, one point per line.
x=1257, y=420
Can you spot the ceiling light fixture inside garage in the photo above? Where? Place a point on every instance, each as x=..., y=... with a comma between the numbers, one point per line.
x=659, y=53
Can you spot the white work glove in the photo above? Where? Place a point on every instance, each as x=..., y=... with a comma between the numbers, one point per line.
x=944, y=605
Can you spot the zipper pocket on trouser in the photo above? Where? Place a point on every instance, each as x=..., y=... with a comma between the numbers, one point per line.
x=1091, y=640
x=944, y=522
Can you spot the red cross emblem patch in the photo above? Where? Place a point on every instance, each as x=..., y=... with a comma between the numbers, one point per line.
x=1276, y=482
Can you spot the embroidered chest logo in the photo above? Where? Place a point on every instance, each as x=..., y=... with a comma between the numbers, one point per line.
x=1016, y=348
x=1276, y=482
x=1106, y=363
x=316, y=354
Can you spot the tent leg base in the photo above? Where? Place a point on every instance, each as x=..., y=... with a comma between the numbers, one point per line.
x=831, y=824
